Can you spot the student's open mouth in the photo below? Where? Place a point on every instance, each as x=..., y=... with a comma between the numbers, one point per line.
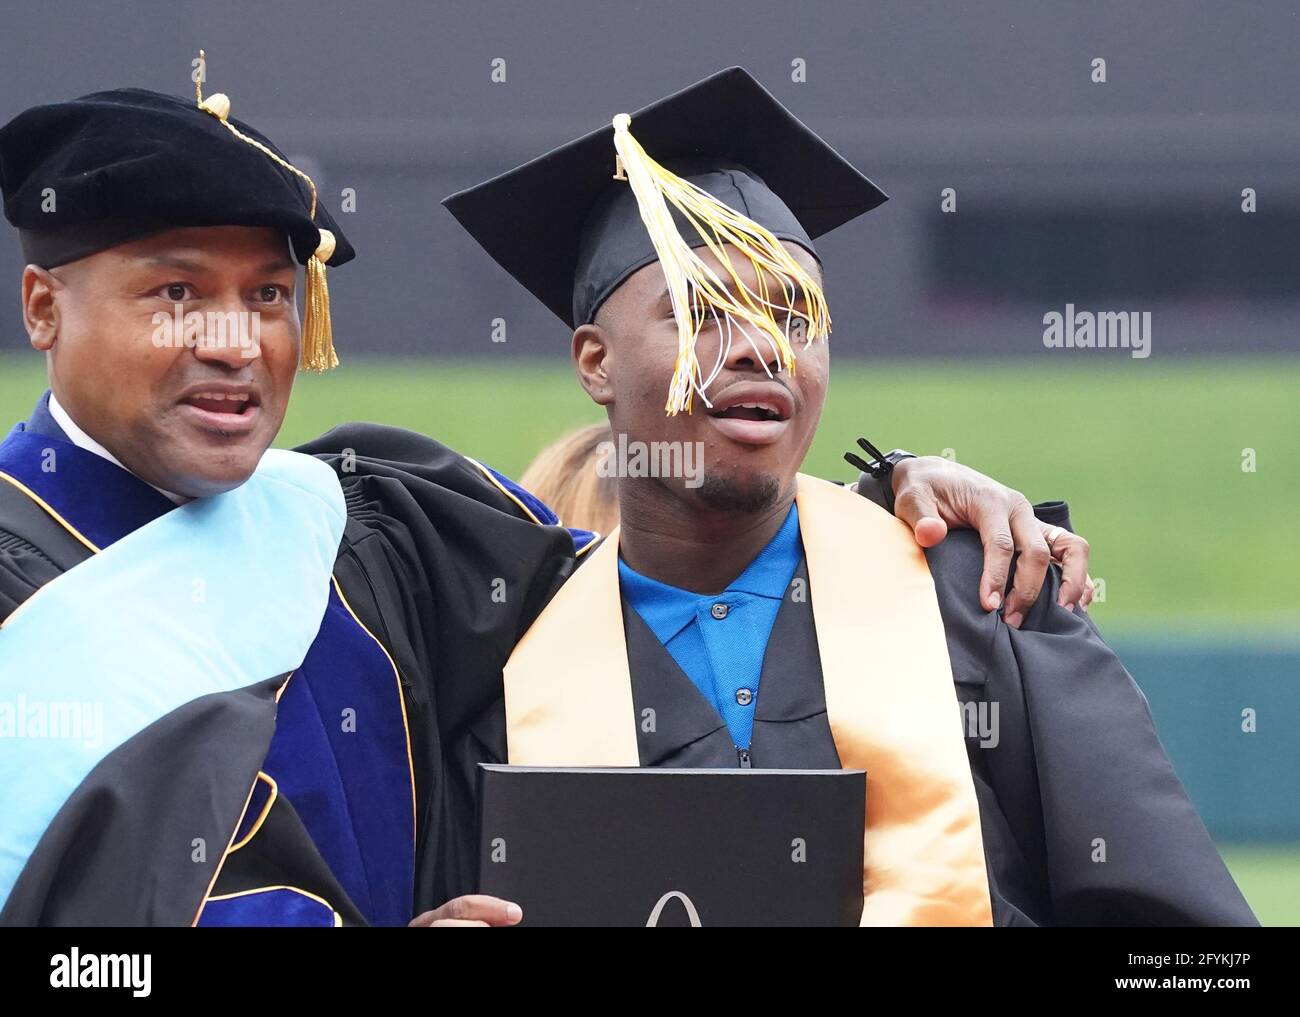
x=232, y=409
x=753, y=413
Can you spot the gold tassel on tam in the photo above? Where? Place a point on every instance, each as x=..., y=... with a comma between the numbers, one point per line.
x=697, y=291
x=317, y=330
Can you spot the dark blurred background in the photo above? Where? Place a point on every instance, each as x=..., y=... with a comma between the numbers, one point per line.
x=1124, y=195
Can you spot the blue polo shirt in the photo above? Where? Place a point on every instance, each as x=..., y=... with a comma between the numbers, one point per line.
x=720, y=641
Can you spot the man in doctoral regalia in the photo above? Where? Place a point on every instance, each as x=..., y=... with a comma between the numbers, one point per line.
x=263, y=763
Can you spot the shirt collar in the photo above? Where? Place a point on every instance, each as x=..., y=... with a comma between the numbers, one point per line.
x=769, y=574
x=669, y=609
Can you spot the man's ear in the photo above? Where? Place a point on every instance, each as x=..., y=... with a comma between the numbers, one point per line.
x=592, y=359
x=40, y=310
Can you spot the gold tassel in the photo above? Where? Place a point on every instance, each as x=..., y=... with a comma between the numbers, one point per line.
x=696, y=290
x=317, y=330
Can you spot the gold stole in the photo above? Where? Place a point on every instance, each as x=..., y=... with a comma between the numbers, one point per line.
x=892, y=708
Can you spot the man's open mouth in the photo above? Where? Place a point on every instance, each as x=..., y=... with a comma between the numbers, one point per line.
x=218, y=402
x=226, y=409
x=750, y=411
x=753, y=413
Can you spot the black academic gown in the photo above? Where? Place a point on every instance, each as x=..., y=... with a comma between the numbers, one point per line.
x=428, y=548
x=1077, y=774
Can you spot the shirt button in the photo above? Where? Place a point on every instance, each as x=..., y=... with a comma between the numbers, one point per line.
x=719, y=611
x=744, y=697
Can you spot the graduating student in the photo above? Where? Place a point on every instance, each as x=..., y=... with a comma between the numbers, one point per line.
x=269, y=750
x=766, y=618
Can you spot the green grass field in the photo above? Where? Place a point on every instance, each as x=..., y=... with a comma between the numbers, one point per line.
x=1149, y=455
x=1269, y=876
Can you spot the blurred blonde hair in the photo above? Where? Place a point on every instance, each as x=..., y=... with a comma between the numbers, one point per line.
x=565, y=476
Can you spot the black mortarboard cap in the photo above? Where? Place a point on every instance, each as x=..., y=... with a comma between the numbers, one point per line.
x=570, y=233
